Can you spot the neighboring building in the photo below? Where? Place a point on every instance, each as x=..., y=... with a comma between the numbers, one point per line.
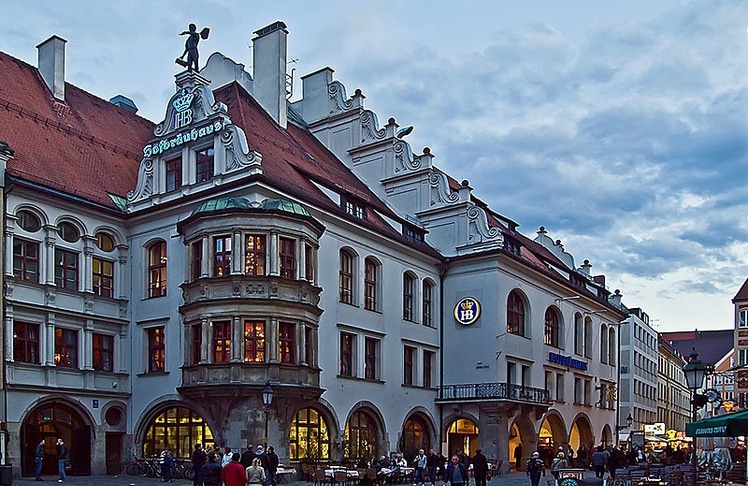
x=740, y=342
x=673, y=396
x=722, y=384
x=638, y=390
x=160, y=276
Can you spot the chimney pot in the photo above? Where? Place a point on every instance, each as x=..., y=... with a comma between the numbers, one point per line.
x=51, y=63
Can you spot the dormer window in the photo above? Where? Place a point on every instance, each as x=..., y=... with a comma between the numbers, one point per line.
x=204, y=164
x=354, y=209
x=412, y=234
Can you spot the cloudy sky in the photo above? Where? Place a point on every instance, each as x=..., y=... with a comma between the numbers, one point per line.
x=619, y=126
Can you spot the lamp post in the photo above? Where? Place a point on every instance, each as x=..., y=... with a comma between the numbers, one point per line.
x=267, y=399
x=695, y=372
x=629, y=421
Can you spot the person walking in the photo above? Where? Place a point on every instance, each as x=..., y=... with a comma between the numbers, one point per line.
x=62, y=456
x=211, y=471
x=167, y=467
x=273, y=463
x=599, y=461
x=535, y=468
x=480, y=468
x=456, y=473
x=39, y=460
x=518, y=456
x=198, y=460
x=559, y=462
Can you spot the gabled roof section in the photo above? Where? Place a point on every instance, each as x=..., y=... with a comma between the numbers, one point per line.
x=712, y=346
x=293, y=158
x=86, y=147
x=742, y=295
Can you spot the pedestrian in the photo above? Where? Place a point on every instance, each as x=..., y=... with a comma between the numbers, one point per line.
x=535, y=468
x=420, y=462
x=255, y=472
x=211, y=471
x=273, y=463
x=599, y=460
x=167, y=468
x=198, y=460
x=480, y=468
x=39, y=460
x=227, y=455
x=62, y=457
x=456, y=473
x=433, y=466
x=518, y=456
x=247, y=456
x=559, y=462
x=233, y=473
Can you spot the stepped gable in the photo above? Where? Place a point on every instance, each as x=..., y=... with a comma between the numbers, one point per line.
x=291, y=157
x=86, y=147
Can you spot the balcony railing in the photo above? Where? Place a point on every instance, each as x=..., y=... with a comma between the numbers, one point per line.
x=484, y=392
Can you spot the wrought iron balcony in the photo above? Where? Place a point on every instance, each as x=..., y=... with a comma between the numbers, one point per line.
x=490, y=392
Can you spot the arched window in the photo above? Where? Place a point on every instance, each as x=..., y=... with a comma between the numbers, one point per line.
x=415, y=436
x=361, y=436
x=346, y=277
x=409, y=292
x=308, y=437
x=603, y=343
x=178, y=429
x=371, y=284
x=551, y=328
x=29, y=221
x=515, y=314
x=157, y=269
x=612, y=346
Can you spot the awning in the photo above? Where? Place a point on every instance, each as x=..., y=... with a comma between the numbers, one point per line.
x=728, y=425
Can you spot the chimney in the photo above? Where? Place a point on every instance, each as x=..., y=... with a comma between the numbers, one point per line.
x=52, y=65
x=124, y=102
x=269, y=72
x=615, y=299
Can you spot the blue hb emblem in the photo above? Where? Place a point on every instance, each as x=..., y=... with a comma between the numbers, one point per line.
x=467, y=311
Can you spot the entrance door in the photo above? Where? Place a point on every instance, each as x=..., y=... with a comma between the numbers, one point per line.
x=113, y=453
x=80, y=451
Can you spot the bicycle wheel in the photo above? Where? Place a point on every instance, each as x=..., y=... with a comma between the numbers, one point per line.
x=178, y=471
x=132, y=469
x=189, y=473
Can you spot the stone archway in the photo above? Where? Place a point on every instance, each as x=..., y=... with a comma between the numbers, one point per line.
x=581, y=437
x=49, y=421
x=552, y=435
x=523, y=440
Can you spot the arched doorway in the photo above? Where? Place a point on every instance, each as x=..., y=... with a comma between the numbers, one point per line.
x=581, y=437
x=415, y=435
x=552, y=435
x=462, y=436
x=50, y=421
x=362, y=434
x=177, y=428
x=309, y=437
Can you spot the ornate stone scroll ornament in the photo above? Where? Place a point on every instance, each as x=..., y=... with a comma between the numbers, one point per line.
x=238, y=153
x=404, y=155
x=144, y=188
x=190, y=47
x=440, y=192
x=336, y=90
x=480, y=230
x=369, y=130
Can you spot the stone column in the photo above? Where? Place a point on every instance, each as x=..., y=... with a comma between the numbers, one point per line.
x=237, y=340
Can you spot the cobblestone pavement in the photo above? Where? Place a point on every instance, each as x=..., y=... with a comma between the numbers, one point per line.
x=511, y=479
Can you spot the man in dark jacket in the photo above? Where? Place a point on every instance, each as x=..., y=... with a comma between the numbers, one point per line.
x=456, y=473
x=62, y=456
x=432, y=464
x=211, y=471
x=247, y=456
x=198, y=460
x=535, y=468
x=39, y=460
x=273, y=462
x=480, y=468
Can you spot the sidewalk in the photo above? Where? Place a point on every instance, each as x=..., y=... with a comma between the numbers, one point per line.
x=511, y=479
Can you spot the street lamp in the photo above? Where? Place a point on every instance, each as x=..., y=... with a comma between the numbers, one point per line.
x=695, y=372
x=629, y=421
x=267, y=399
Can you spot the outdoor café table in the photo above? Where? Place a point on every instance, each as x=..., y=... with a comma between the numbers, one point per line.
x=282, y=472
x=350, y=473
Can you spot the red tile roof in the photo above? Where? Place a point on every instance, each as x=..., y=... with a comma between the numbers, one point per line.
x=742, y=294
x=86, y=146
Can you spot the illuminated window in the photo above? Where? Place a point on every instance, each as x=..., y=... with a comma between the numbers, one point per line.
x=26, y=260
x=104, y=242
x=221, y=256
x=255, y=255
x=361, y=435
x=103, y=277
x=66, y=269
x=66, y=348
x=254, y=341
x=415, y=435
x=157, y=269
x=308, y=436
x=221, y=341
x=156, y=349
x=26, y=342
x=204, y=165
x=103, y=352
x=176, y=429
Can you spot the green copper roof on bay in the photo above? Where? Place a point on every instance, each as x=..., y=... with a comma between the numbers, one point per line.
x=229, y=203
